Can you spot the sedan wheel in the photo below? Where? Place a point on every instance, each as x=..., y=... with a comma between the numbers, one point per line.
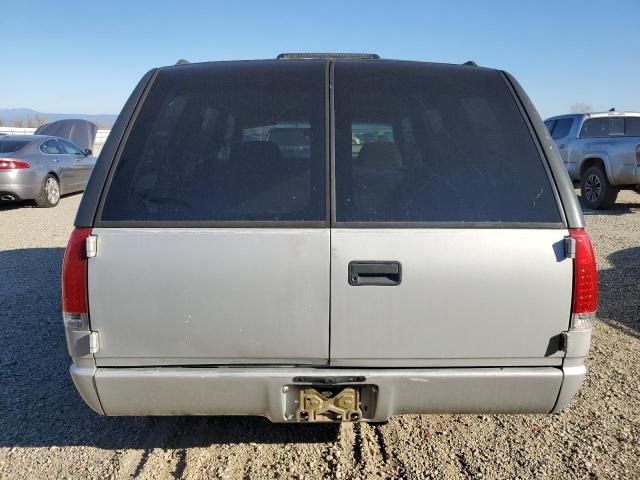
x=49, y=193
x=52, y=189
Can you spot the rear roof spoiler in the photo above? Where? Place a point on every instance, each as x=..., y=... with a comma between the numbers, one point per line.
x=302, y=56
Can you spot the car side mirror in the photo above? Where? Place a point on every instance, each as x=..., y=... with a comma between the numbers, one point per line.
x=88, y=152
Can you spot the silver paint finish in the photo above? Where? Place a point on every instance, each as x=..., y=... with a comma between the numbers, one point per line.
x=83, y=376
x=465, y=294
x=210, y=296
x=617, y=152
x=259, y=391
x=574, y=372
x=72, y=171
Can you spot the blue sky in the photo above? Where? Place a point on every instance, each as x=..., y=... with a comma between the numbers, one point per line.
x=86, y=57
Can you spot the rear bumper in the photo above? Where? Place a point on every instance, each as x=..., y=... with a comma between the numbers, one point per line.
x=20, y=184
x=259, y=391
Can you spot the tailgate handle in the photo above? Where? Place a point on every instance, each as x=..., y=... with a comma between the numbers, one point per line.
x=375, y=273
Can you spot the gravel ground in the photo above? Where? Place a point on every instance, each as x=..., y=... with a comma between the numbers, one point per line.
x=47, y=432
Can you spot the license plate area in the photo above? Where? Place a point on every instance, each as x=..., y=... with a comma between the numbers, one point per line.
x=329, y=403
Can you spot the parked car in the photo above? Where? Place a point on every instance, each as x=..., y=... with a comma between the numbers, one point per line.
x=444, y=269
x=42, y=168
x=601, y=151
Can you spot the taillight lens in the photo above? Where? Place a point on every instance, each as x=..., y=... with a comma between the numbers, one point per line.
x=585, y=281
x=9, y=164
x=75, y=309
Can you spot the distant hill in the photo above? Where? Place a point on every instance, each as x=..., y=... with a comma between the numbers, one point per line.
x=10, y=115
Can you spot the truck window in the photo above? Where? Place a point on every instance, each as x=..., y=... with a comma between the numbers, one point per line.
x=550, y=124
x=632, y=126
x=616, y=126
x=241, y=143
x=459, y=150
x=595, y=127
x=562, y=128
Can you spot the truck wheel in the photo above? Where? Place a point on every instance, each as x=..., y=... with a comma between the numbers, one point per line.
x=49, y=193
x=596, y=190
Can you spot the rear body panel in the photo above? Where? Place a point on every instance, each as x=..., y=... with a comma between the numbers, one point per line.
x=617, y=153
x=210, y=296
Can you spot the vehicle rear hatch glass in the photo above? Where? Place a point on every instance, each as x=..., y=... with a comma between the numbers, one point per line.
x=436, y=143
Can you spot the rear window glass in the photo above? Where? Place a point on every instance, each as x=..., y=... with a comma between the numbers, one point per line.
x=220, y=142
x=562, y=128
x=10, y=146
x=632, y=126
x=596, y=127
x=442, y=144
x=616, y=126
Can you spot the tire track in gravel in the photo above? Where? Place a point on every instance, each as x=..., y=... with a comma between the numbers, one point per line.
x=371, y=452
x=389, y=454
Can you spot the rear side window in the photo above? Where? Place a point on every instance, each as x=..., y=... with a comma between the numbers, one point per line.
x=51, y=147
x=594, y=128
x=632, y=126
x=10, y=146
x=225, y=142
x=442, y=144
x=562, y=128
x=616, y=126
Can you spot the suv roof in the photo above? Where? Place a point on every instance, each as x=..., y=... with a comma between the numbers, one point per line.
x=612, y=114
x=596, y=115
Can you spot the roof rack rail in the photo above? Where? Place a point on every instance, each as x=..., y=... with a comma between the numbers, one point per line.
x=299, y=56
x=470, y=63
x=182, y=61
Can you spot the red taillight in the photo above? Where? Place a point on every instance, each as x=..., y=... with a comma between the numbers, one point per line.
x=75, y=308
x=9, y=164
x=585, y=280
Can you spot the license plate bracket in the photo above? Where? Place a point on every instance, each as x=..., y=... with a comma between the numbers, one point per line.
x=329, y=403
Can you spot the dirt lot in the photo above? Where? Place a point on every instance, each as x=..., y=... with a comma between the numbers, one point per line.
x=47, y=432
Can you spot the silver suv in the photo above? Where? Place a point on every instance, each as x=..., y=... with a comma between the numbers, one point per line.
x=413, y=244
x=601, y=151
